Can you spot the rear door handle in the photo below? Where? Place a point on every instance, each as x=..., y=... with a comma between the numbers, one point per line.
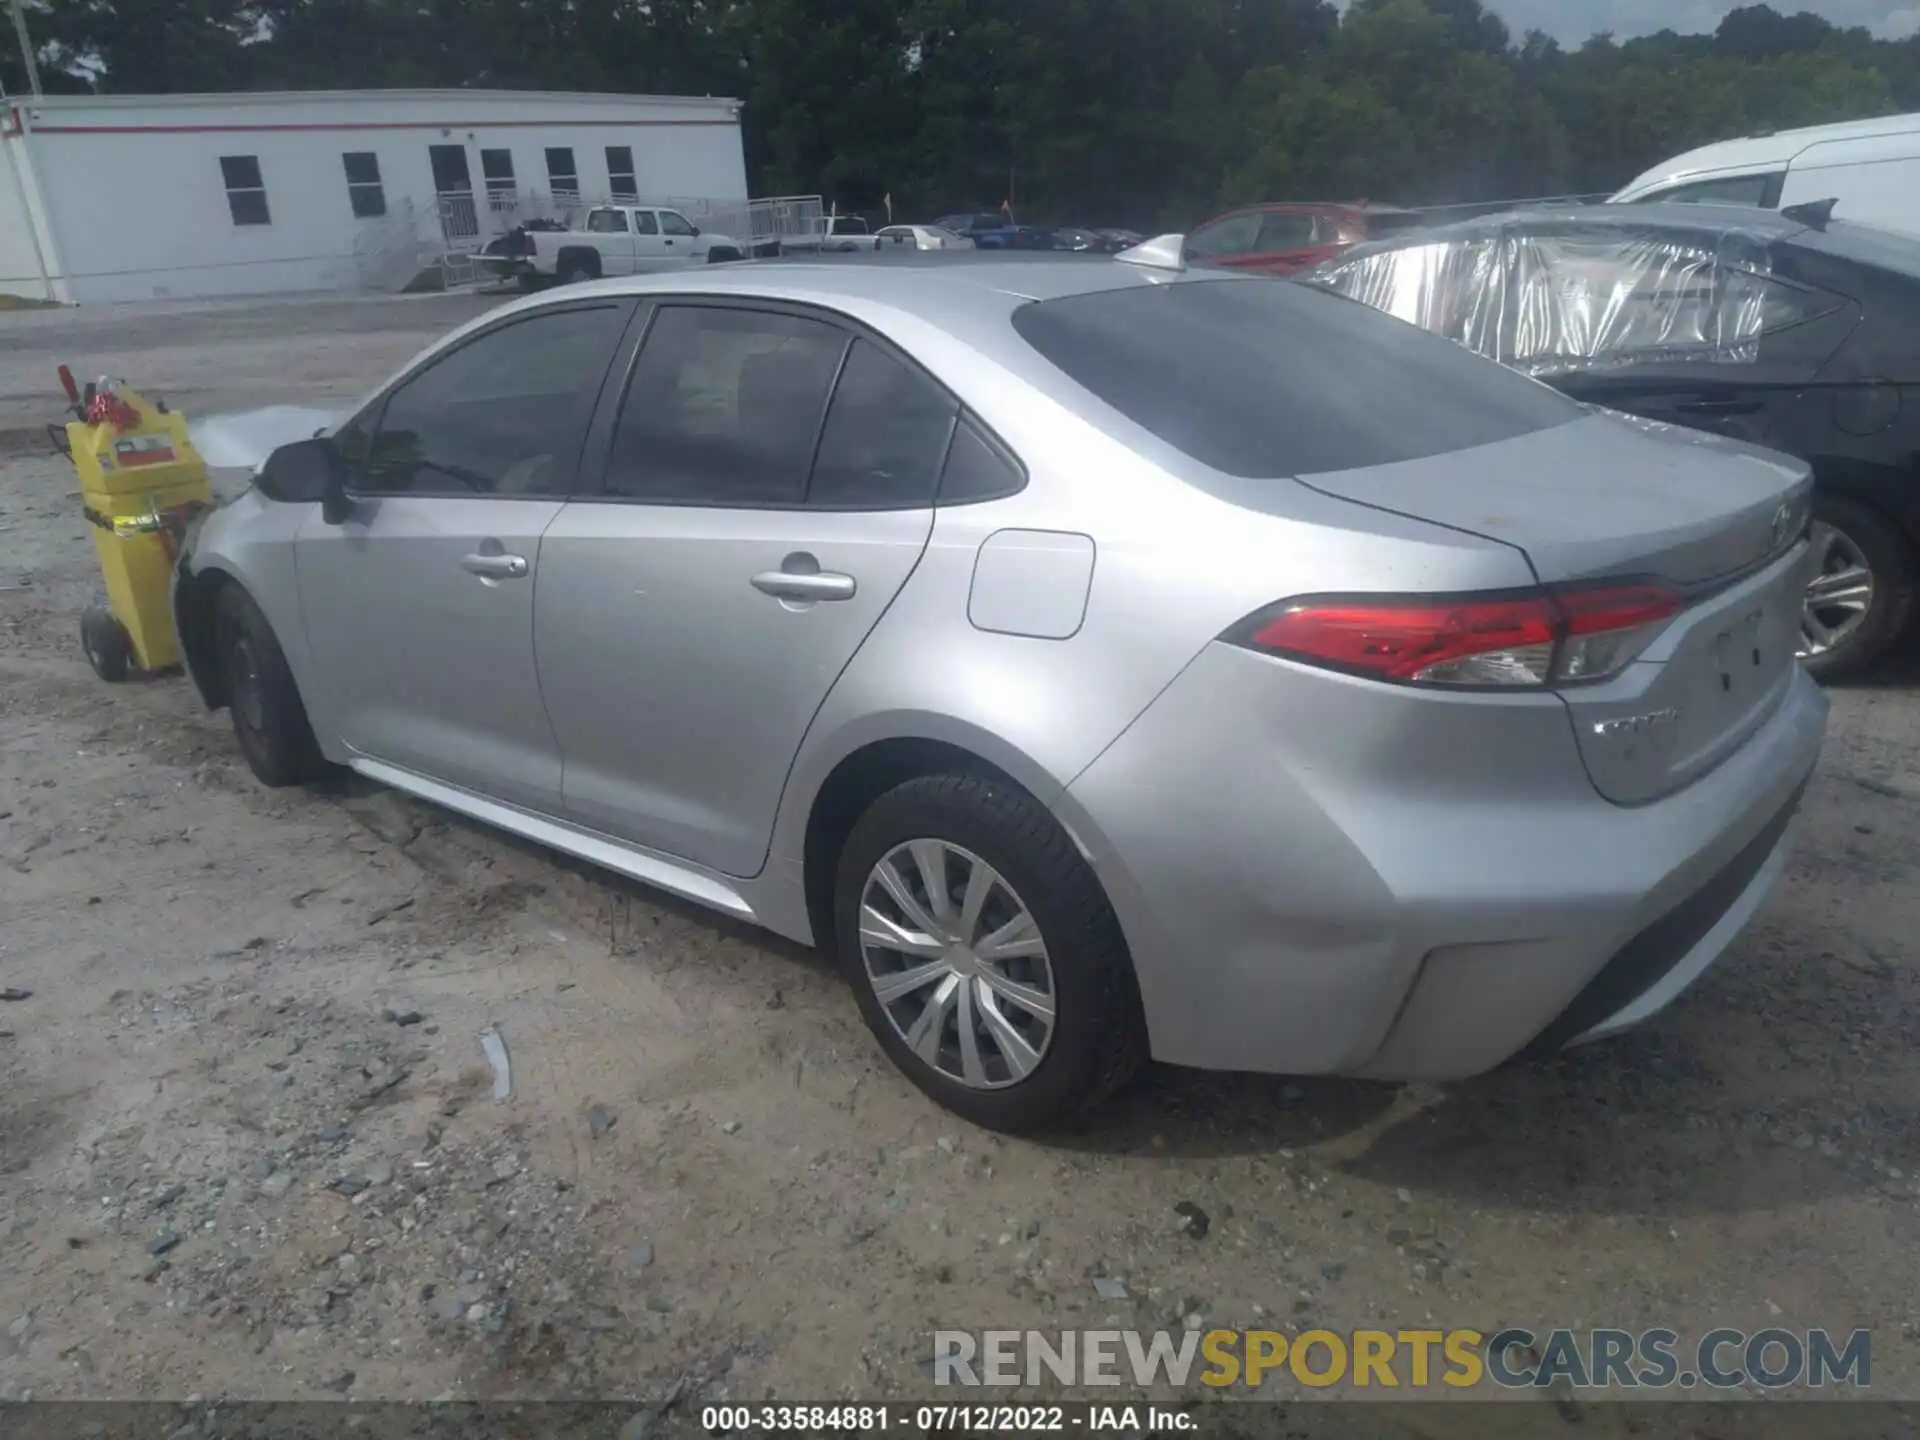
x=495, y=567
x=789, y=585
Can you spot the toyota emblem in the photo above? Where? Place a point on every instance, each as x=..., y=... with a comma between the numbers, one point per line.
x=1782, y=524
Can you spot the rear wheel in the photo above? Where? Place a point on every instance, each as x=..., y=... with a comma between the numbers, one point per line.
x=1860, y=598
x=109, y=650
x=269, y=720
x=575, y=268
x=984, y=955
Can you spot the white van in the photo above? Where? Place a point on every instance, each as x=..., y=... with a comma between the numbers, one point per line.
x=1871, y=167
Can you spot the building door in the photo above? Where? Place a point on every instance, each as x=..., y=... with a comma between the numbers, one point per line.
x=453, y=191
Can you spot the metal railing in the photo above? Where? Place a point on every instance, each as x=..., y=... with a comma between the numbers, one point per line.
x=390, y=251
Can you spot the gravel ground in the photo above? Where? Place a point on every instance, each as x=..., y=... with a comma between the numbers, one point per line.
x=250, y=1145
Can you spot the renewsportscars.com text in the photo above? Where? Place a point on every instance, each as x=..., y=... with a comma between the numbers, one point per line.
x=1654, y=1359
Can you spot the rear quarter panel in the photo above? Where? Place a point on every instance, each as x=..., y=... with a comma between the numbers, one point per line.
x=1173, y=567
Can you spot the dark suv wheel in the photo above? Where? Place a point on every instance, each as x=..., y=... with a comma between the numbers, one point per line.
x=1860, y=598
x=984, y=954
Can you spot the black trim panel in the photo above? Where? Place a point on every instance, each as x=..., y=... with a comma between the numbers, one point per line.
x=1646, y=959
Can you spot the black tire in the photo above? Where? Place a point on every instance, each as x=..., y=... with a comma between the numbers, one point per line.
x=527, y=282
x=1890, y=560
x=269, y=720
x=1099, y=1034
x=722, y=255
x=109, y=650
x=573, y=269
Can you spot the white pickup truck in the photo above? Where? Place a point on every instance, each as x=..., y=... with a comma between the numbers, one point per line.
x=617, y=240
x=831, y=232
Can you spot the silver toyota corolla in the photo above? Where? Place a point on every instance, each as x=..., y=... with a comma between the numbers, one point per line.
x=1100, y=660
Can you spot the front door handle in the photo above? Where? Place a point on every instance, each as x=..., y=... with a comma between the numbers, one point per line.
x=495, y=567
x=795, y=585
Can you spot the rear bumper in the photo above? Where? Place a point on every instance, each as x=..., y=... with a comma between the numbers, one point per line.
x=1318, y=875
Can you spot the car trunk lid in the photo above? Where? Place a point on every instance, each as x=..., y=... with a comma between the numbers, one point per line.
x=1609, y=498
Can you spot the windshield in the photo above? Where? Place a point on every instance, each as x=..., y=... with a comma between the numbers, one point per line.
x=1265, y=378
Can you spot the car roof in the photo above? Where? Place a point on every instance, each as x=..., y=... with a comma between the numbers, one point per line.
x=1767, y=150
x=945, y=287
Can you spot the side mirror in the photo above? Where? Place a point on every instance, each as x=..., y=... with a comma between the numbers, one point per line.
x=306, y=472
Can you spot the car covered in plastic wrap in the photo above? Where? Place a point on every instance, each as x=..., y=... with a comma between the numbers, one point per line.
x=1789, y=330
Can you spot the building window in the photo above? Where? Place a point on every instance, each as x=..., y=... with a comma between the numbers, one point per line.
x=246, y=192
x=496, y=170
x=363, y=183
x=562, y=177
x=620, y=182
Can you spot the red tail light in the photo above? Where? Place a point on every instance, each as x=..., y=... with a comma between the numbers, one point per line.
x=1532, y=637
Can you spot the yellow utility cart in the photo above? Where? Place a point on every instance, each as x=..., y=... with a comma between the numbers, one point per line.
x=141, y=481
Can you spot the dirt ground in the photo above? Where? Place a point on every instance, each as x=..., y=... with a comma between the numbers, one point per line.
x=249, y=1145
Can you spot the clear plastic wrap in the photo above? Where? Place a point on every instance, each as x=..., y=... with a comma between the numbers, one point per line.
x=1559, y=299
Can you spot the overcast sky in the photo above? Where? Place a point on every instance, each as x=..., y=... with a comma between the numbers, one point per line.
x=1571, y=21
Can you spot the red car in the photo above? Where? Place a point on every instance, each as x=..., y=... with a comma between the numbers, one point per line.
x=1282, y=239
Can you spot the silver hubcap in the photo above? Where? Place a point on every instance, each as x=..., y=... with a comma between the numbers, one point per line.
x=958, y=964
x=1838, y=596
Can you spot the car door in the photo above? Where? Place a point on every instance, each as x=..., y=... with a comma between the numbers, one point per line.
x=419, y=607
x=613, y=238
x=650, y=249
x=694, y=613
x=680, y=240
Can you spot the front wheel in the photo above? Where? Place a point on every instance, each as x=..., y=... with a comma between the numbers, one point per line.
x=269, y=719
x=1860, y=599
x=984, y=955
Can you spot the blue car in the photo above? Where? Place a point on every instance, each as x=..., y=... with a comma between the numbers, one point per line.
x=996, y=232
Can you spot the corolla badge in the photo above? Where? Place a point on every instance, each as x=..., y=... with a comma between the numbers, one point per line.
x=1635, y=724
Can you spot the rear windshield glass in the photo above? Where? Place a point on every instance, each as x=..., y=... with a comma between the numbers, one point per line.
x=1265, y=378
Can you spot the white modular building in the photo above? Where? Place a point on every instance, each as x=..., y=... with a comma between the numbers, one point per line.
x=137, y=197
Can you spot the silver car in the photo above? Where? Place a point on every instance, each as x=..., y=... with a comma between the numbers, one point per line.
x=1100, y=660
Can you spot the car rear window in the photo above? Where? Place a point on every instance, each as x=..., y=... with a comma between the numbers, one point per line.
x=1267, y=378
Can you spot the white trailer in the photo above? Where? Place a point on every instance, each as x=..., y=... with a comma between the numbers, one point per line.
x=133, y=197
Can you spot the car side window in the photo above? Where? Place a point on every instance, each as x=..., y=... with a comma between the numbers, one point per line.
x=1280, y=231
x=504, y=414
x=672, y=222
x=607, y=222
x=978, y=467
x=1727, y=190
x=644, y=223
x=724, y=407
x=1235, y=235
x=885, y=437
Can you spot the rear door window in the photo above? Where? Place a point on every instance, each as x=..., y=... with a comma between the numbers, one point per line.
x=1235, y=235
x=724, y=407
x=1263, y=379
x=1761, y=191
x=886, y=435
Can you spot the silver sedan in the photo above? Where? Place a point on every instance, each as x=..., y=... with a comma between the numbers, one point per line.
x=1099, y=660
